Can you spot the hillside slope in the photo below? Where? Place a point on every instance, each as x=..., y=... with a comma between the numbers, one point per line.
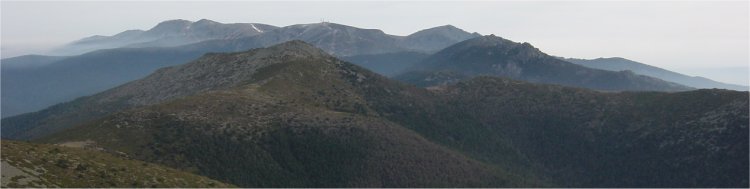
x=285, y=116
x=387, y=64
x=293, y=116
x=43, y=165
x=582, y=138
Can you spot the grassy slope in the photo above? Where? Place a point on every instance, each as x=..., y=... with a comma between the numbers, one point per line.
x=73, y=167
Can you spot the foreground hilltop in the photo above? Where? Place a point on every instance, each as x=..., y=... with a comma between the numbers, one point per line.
x=291, y=115
x=43, y=165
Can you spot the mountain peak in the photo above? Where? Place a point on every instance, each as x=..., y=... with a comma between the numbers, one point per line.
x=493, y=55
x=175, y=22
x=170, y=26
x=436, y=38
x=338, y=39
x=217, y=71
x=612, y=58
x=246, y=61
x=205, y=22
x=448, y=30
x=298, y=46
x=447, y=27
x=331, y=26
x=180, y=24
x=489, y=41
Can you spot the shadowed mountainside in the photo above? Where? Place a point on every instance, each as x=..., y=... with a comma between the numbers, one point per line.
x=293, y=116
x=495, y=56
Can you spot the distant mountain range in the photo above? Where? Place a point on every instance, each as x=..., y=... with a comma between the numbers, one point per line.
x=27, y=88
x=165, y=34
x=33, y=82
x=292, y=115
x=495, y=56
x=343, y=40
x=621, y=64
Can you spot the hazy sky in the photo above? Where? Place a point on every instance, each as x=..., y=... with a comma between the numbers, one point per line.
x=692, y=37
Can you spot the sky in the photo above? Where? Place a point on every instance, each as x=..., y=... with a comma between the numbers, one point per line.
x=704, y=38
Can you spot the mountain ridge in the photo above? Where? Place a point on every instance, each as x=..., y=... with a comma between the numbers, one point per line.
x=298, y=117
x=492, y=55
x=127, y=95
x=621, y=64
x=436, y=38
x=164, y=34
x=64, y=79
x=304, y=105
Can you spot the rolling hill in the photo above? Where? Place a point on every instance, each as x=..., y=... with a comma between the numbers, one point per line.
x=291, y=115
x=43, y=165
